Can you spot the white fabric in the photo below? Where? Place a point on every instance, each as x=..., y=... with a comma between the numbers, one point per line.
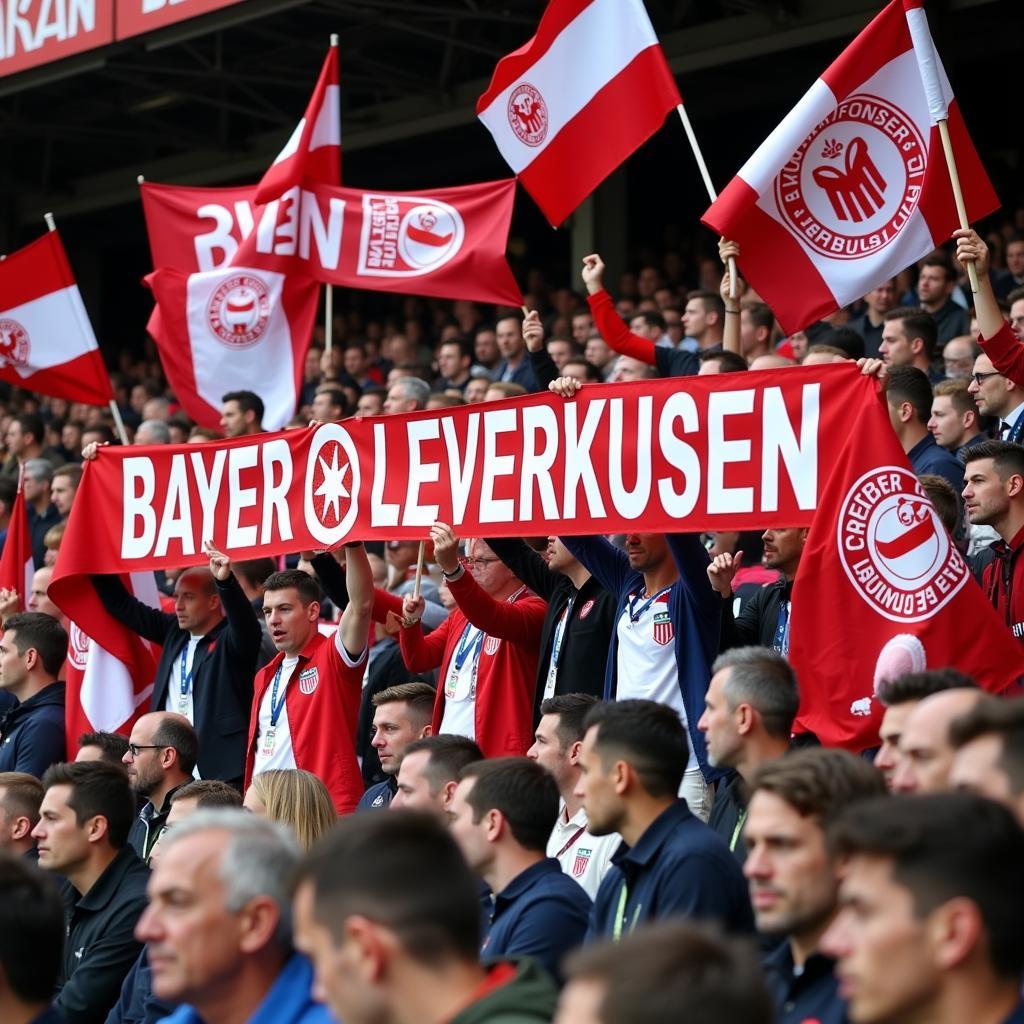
x=57, y=326
x=1011, y=420
x=187, y=708
x=265, y=367
x=459, y=717
x=591, y=853
x=647, y=670
x=598, y=44
x=326, y=131
x=282, y=755
x=937, y=89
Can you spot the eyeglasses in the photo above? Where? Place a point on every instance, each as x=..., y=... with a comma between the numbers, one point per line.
x=134, y=748
x=979, y=377
x=480, y=563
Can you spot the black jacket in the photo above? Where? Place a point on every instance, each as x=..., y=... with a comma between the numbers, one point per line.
x=729, y=812
x=101, y=946
x=148, y=825
x=32, y=733
x=756, y=623
x=223, y=667
x=581, y=663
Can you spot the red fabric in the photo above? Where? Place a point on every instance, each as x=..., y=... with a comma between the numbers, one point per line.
x=1004, y=584
x=1006, y=353
x=506, y=680
x=16, y=563
x=615, y=332
x=882, y=591
x=322, y=723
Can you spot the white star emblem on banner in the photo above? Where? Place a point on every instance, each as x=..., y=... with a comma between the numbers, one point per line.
x=333, y=488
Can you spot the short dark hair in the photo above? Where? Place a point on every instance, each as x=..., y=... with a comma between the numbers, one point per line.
x=591, y=372
x=31, y=929
x=404, y=871
x=990, y=716
x=97, y=789
x=44, y=634
x=71, y=470
x=524, y=792
x=765, y=680
x=948, y=846
x=759, y=314
x=651, y=318
x=572, y=710
x=254, y=570
x=248, y=401
x=918, y=685
x=728, y=362
x=104, y=432
x=418, y=697
x=113, y=745
x=939, y=259
x=675, y=971
x=713, y=302
x=8, y=490
x=846, y=339
x=819, y=782
x=336, y=395
x=909, y=384
x=1007, y=457
x=22, y=794
x=31, y=423
x=208, y=793
x=945, y=499
x=178, y=734
x=307, y=587
x=446, y=757
x=648, y=736
x=464, y=344
x=917, y=323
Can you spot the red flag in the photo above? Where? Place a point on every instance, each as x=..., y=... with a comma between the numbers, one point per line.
x=46, y=341
x=110, y=669
x=882, y=591
x=17, y=566
x=575, y=101
x=313, y=153
x=852, y=187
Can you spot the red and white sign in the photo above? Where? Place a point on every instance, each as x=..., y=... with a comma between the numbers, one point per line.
x=137, y=16
x=46, y=341
x=34, y=32
x=852, y=187
x=885, y=592
x=576, y=100
x=313, y=152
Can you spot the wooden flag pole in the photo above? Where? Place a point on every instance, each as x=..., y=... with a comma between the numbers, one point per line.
x=712, y=194
x=958, y=195
x=329, y=318
x=419, y=570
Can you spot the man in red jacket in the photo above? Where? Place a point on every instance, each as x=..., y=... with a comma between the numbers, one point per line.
x=306, y=701
x=487, y=648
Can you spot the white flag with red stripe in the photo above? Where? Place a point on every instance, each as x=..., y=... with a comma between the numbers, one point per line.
x=17, y=566
x=575, y=101
x=314, y=150
x=852, y=186
x=46, y=341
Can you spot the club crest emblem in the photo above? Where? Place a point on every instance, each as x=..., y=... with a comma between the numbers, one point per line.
x=528, y=114
x=239, y=310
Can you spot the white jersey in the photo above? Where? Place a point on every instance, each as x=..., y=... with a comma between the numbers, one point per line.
x=274, y=742
x=584, y=857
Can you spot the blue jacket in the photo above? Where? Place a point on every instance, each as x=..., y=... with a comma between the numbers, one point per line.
x=541, y=913
x=137, y=1004
x=678, y=868
x=32, y=733
x=289, y=1001
x=696, y=612
x=378, y=797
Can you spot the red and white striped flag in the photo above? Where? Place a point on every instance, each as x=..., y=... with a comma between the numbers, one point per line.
x=852, y=187
x=46, y=341
x=313, y=152
x=16, y=563
x=575, y=101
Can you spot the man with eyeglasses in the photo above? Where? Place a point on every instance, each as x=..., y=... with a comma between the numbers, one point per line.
x=487, y=648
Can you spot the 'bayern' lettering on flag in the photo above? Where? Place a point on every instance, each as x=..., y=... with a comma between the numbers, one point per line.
x=313, y=152
x=46, y=340
x=880, y=562
x=852, y=186
x=17, y=566
x=579, y=98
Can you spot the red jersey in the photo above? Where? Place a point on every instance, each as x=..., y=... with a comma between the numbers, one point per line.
x=322, y=700
x=1006, y=353
x=1003, y=581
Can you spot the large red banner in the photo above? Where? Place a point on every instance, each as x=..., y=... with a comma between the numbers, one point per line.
x=137, y=16
x=34, y=32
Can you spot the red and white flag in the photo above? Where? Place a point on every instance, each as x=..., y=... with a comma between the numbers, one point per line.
x=575, y=101
x=110, y=669
x=46, y=341
x=852, y=186
x=885, y=592
x=313, y=153
x=17, y=566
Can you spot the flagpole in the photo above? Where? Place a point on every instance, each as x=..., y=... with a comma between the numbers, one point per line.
x=958, y=195
x=329, y=319
x=51, y=225
x=419, y=569
x=712, y=194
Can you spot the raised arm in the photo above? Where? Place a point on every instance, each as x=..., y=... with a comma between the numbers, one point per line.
x=731, y=333
x=354, y=627
x=610, y=325
x=150, y=623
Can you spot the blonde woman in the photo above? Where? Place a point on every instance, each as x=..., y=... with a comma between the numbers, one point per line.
x=294, y=797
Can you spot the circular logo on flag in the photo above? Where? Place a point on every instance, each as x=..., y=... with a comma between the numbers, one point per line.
x=528, y=114
x=893, y=548
x=430, y=235
x=332, y=484
x=14, y=343
x=239, y=310
x=78, y=646
x=855, y=181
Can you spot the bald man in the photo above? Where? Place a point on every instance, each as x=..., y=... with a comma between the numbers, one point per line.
x=210, y=644
x=926, y=746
